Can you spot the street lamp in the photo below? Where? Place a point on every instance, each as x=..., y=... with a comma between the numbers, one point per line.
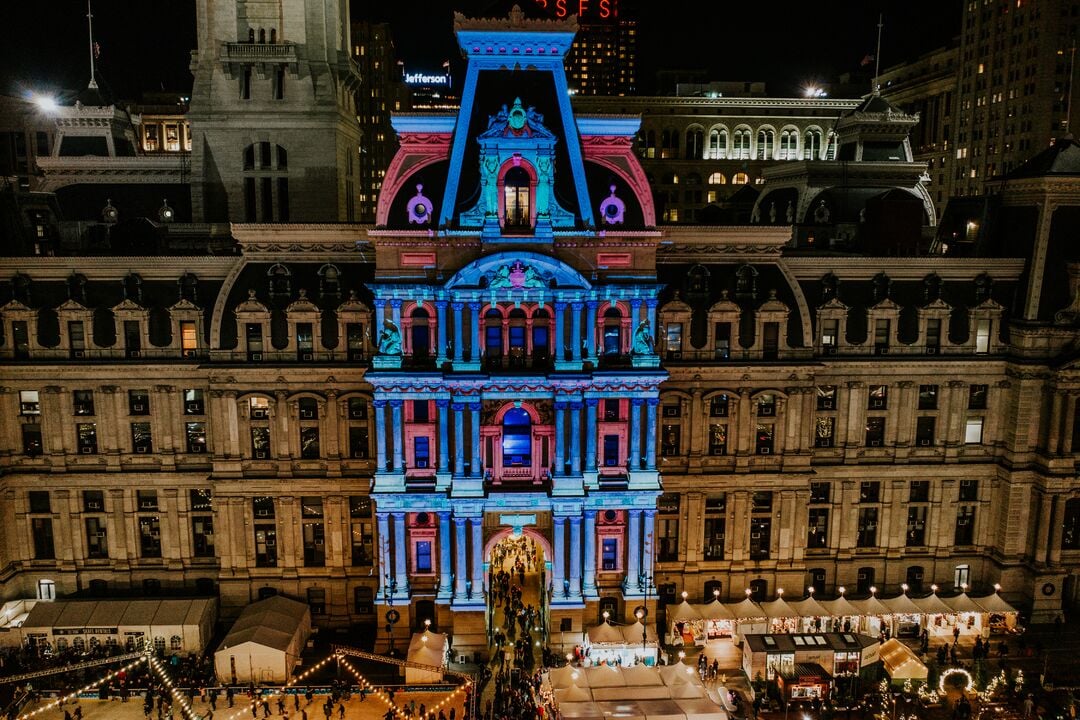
x=392, y=615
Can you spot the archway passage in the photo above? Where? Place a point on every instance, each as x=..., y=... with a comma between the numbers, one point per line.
x=517, y=607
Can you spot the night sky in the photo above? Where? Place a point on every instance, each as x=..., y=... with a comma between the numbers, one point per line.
x=145, y=46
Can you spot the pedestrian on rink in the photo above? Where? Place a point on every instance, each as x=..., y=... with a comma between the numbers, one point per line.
x=341, y=711
x=280, y=705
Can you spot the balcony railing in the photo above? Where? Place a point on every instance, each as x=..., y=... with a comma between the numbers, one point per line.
x=258, y=52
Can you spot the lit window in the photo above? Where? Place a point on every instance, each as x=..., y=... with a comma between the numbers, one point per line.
x=973, y=430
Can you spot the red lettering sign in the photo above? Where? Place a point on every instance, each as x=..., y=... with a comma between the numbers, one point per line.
x=560, y=8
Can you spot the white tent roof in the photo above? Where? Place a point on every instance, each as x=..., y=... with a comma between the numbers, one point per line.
x=636, y=692
x=902, y=605
x=682, y=612
x=871, y=606
x=431, y=651
x=621, y=710
x=639, y=675
x=607, y=633
x=701, y=709
x=273, y=622
x=809, y=607
x=632, y=634
x=661, y=710
x=932, y=604
x=567, y=676
x=962, y=604
x=746, y=609
x=778, y=608
x=679, y=674
x=604, y=676
x=687, y=691
x=840, y=607
x=580, y=711
x=572, y=694
x=715, y=610
x=900, y=662
x=994, y=603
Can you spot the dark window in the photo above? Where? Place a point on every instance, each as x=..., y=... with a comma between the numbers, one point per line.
x=723, y=341
x=423, y=556
x=867, y=532
x=924, y=430
x=266, y=199
x=263, y=506
x=420, y=411
x=42, y=530
x=314, y=544
x=358, y=443
x=83, y=401
x=39, y=501
x=611, y=409
x=609, y=554
x=826, y=397
x=308, y=408
x=358, y=408
x=363, y=543
x=714, y=538
x=265, y=545
x=933, y=335
x=914, y=579
x=150, y=536
x=309, y=443
x=77, y=338
x=870, y=491
x=718, y=406
x=916, y=526
x=194, y=402
x=141, y=438
x=764, y=439
x=825, y=432
x=354, y=334
x=965, y=525
x=283, y=196
x=612, y=457
x=20, y=339
x=770, y=343
x=147, y=499
x=878, y=397
x=305, y=341
x=977, y=397
x=875, y=431
x=881, y=335
x=245, y=84
x=202, y=535
x=761, y=501
x=279, y=83
x=818, y=528
x=717, y=439
x=196, y=436
x=97, y=540
x=820, y=492
x=760, y=537
x=254, y=337
x=93, y=501
x=132, y=337
x=260, y=443
x=422, y=451
x=928, y=395
x=766, y=405
x=201, y=500
x=138, y=402
x=86, y=434
x=969, y=490
x=249, y=200
x=31, y=439
x=865, y=580
x=670, y=436
x=364, y=600
x=1070, y=530
x=919, y=491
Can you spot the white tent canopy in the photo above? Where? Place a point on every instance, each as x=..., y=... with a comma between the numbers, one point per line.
x=683, y=612
x=994, y=604
x=632, y=634
x=715, y=610
x=639, y=692
x=747, y=609
x=606, y=633
x=901, y=663
x=778, y=608
x=426, y=648
x=265, y=642
x=902, y=605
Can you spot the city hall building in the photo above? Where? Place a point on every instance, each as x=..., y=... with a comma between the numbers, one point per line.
x=357, y=416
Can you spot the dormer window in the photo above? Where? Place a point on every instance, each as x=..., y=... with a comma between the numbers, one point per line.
x=517, y=199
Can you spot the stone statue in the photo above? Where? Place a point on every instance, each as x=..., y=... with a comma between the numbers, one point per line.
x=543, y=185
x=821, y=214
x=389, y=339
x=755, y=216
x=772, y=213
x=790, y=213
x=643, y=340
x=490, y=180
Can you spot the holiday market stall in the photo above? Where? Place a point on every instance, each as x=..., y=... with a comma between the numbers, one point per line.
x=426, y=648
x=264, y=643
x=906, y=616
x=812, y=615
x=687, y=625
x=607, y=644
x=719, y=620
x=1001, y=617
x=902, y=665
x=673, y=692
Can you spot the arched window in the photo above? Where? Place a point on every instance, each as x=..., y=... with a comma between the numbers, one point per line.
x=741, y=147
x=176, y=643
x=493, y=337
x=717, y=178
x=693, y=179
x=864, y=580
x=279, y=280
x=266, y=183
x=766, y=142
x=612, y=331
x=650, y=144
x=273, y=35
x=517, y=201
x=517, y=438
x=541, y=343
x=262, y=35
x=669, y=144
x=610, y=606
x=914, y=579
x=713, y=590
x=789, y=145
x=812, y=144
x=718, y=142
x=516, y=331
x=759, y=590
x=695, y=144
x=420, y=333
x=740, y=178
x=671, y=179
x=329, y=280
x=251, y=35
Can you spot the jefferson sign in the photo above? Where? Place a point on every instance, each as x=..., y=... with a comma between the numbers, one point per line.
x=425, y=79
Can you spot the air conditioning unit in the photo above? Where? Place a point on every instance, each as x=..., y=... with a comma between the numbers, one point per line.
x=78, y=353
x=925, y=441
x=875, y=443
x=271, y=543
x=877, y=403
x=141, y=449
x=189, y=353
x=917, y=576
x=360, y=454
x=259, y=413
x=764, y=451
x=134, y=353
x=256, y=357
x=197, y=448
x=193, y=408
x=827, y=404
x=307, y=414
x=86, y=450
x=755, y=536
x=138, y=408
x=307, y=357
x=883, y=350
x=461, y=659
x=421, y=463
x=262, y=513
x=931, y=351
x=260, y=454
x=829, y=349
x=676, y=355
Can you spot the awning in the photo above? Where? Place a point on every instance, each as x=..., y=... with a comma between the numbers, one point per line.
x=840, y=607
x=962, y=604
x=606, y=633
x=871, y=606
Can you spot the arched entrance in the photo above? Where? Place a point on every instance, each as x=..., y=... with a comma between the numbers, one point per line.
x=516, y=561
x=517, y=439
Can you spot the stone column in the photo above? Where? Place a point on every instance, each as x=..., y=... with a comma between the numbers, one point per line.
x=380, y=435
x=590, y=554
x=590, y=434
x=649, y=552
x=461, y=570
x=650, y=314
x=591, y=323
x=459, y=319
x=575, y=438
x=440, y=315
x=560, y=437
x=395, y=315
x=383, y=521
x=399, y=435
x=401, y=574
x=575, y=557
x=477, y=524
x=575, y=330
x=650, y=434
x=633, y=550
x=333, y=411
x=1057, y=411
x=474, y=421
x=558, y=569
x=635, y=318
x=635, y=433
x=459, y=438
x=476, y=331
x=558, y=347
x=446, y=587
x=442, y=407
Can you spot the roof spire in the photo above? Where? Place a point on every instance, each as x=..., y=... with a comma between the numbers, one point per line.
x=90, y=24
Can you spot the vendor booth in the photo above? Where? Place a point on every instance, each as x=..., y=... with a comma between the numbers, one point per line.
x=673, y=692
x=687, y=625
x=264, y=643
x=718, y=619
x=845, y=616
x=906, y=616
x=968, y=614
x=782, y=617
x=875, y=616
x=805, y=682
x=749, y=618
x=938, y=618
x=902, y=665
x=813, y=617
x=776, y=656
x=626, y=645
x=1001, y=617
x=173, y=626
x=426, y=648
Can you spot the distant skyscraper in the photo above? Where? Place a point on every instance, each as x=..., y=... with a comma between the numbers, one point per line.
x=601, y=61
x=381, y=94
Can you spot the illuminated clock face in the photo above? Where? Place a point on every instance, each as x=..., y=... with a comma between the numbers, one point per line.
x=420, y=210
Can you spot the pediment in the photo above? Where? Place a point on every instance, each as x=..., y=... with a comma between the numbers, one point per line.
x=127, y=305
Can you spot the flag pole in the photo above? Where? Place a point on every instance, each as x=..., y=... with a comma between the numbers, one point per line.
x=90, y=24
x=877, y=54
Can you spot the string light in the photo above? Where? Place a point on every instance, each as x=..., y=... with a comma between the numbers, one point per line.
x=185, y=706
x=281, y=691
x=86, y=688
x=386, y=699
x=955, y=671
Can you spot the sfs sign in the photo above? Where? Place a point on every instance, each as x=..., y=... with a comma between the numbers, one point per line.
x=591, y=9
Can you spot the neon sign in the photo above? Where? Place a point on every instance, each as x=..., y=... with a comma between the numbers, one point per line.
x=420, y=78
x=602, y=9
